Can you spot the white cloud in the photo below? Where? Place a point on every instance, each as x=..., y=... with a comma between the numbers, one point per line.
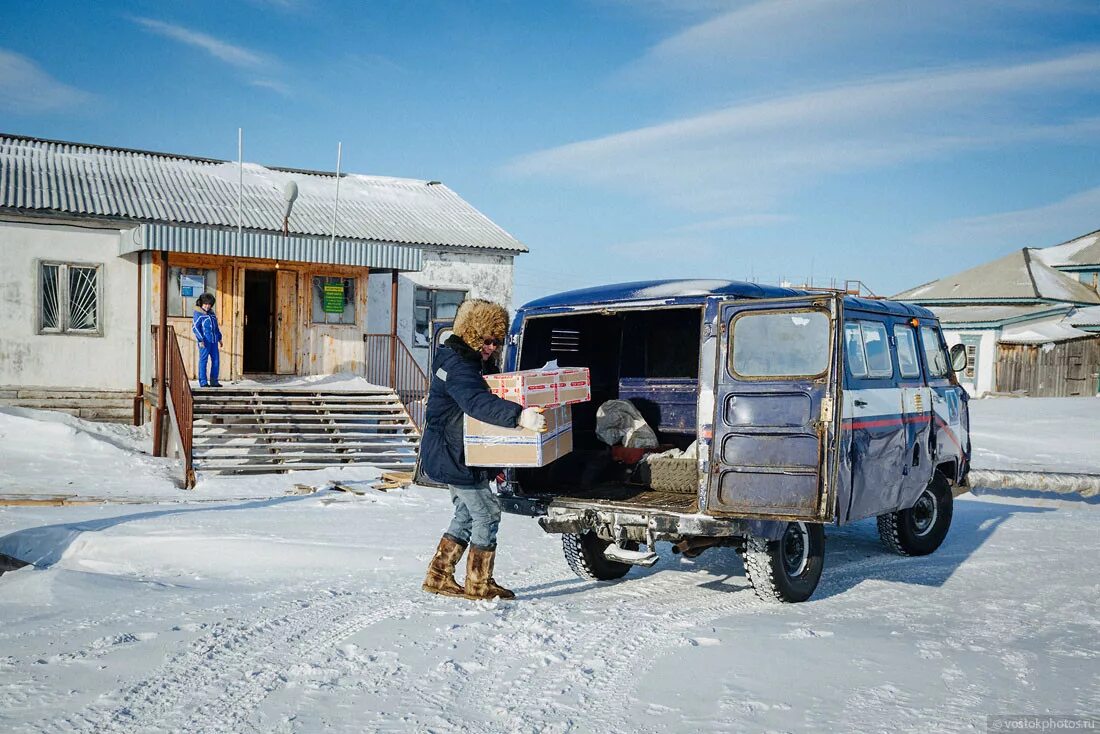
x=25, y=88
x=232, y=54
x=274, y=85
x=1040, y=226
x=743, y=158
x=824, y=32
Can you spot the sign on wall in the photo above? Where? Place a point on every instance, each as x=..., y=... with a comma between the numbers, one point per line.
x=192, y=286
x=333, y=301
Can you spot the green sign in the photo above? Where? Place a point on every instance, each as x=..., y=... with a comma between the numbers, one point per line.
x=333, y=301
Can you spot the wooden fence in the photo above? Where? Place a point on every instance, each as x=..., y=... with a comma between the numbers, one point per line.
x=1065, y=369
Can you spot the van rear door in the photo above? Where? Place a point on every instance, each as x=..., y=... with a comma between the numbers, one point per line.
x=777, y=409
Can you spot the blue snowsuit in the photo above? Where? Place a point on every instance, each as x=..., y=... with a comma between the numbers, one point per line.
x=208, y=336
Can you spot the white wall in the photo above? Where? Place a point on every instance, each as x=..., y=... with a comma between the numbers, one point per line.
x=481, y=275
x=62, y=360
x=987, y=358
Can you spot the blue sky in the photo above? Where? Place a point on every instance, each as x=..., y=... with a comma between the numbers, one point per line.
x=886, y=141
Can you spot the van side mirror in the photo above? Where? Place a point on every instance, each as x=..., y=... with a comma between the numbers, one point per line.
x=958, y=357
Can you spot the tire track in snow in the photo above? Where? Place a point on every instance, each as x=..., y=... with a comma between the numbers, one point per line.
x=618, y=639
x=225, y=661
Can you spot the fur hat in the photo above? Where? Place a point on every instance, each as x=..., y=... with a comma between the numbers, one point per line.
x=478, y=320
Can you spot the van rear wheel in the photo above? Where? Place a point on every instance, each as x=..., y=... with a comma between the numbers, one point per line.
x=920, y=529
x=584, y=554
x=786, y=570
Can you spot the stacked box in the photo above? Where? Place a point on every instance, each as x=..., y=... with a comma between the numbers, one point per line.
x=493, y=446
x=546, y=388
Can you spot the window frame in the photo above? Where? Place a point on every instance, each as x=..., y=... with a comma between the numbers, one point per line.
x=946, y=374
x=871, y=374
x=430, y=308
x=906, y=329
x=64, y=313
x=731, y=347
x=354, y=280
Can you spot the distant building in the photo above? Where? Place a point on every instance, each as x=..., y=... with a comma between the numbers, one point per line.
x=85, y=231
x=1030, y=320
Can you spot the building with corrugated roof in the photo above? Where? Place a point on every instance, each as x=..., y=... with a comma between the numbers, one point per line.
x=305, y=265
x=1027, y=319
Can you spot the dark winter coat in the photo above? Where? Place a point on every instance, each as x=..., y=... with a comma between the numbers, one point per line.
x=458, y=388
x=205, y=328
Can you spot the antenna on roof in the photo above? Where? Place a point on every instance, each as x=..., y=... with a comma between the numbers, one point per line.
x=240, y=183
x=290, y=193
x=336, y=205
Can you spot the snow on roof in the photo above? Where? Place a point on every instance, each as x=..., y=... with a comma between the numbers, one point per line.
x=1042, y=333
x=75, y=178
x=1084, y=250
x=993, y=313
x=1015, y=276
x=1089, y=316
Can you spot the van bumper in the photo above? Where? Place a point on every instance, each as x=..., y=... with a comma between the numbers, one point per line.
x=664, y=526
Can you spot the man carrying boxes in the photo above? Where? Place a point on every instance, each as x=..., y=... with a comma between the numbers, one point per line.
x=458, y=388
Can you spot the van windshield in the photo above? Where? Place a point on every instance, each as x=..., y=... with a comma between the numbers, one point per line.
x=783, y=344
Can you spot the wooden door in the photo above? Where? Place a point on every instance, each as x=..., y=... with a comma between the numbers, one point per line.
x=286, y=322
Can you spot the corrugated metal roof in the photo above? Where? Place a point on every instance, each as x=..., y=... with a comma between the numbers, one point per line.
x=271, y=246
x=1042, y=333
x=1016, y=276
x=1082, y=251
x=995, y=314
x=74, y=178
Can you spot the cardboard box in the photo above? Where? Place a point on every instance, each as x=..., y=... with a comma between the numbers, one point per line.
x=547, y=388
x=493, y=446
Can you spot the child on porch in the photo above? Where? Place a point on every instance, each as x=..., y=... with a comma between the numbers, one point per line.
x=204, y=325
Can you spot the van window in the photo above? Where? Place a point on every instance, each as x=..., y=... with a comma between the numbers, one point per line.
x=933, y=352
x=780, y=344
x=853, y=345
x=876, y=346
x=907, y=351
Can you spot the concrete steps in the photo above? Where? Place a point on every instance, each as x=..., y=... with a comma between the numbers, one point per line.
x=256, y=430
x=106, y=406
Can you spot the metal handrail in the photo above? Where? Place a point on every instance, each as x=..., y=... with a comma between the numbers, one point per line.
x=388, y=362
x=181, y=401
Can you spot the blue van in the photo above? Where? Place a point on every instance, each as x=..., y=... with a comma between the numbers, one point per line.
x=800, y=408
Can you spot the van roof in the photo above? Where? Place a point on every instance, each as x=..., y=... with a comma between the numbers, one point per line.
x=695, y=291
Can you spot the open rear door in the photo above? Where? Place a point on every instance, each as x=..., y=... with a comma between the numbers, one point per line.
x=777, y=408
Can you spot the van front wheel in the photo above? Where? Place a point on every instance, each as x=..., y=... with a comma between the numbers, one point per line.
x=584, y=554
x=788, y=569
x=920, y=529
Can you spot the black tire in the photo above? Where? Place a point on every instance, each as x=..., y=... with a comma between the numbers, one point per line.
x=786, y=570
x=920, y=529
x=584, y=554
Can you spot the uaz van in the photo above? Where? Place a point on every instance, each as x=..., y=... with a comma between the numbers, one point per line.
x=800, y=408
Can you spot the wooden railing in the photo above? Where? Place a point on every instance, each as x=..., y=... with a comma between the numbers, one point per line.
x=387, y=361
x=180, y=400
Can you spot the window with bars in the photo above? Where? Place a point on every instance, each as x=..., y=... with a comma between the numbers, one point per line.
x=69, y=298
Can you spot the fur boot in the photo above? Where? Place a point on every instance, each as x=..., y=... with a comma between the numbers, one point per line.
x=479, y=575
x=441, y=571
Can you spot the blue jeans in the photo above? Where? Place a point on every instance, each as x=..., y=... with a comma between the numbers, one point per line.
x=212, y=355
x=477, y=515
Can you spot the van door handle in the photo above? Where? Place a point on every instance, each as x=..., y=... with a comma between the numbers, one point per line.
x=861, y=403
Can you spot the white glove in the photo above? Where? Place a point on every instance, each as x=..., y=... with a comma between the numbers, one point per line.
x=533, y=420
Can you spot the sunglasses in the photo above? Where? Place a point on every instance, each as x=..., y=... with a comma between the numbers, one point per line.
x=493, y=342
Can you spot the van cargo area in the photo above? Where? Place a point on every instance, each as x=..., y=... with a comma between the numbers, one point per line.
x=649, y=357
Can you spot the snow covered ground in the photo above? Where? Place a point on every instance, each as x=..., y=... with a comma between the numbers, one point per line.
x=1036, y=434
x=305, y=614
x=280, y=613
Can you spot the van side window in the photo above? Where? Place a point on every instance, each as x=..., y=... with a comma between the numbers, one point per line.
x=876, y=345
x=907, y=351
x=933, y=353
x=853, y=345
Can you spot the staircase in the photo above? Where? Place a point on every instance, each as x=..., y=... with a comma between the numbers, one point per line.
x=270, y=429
